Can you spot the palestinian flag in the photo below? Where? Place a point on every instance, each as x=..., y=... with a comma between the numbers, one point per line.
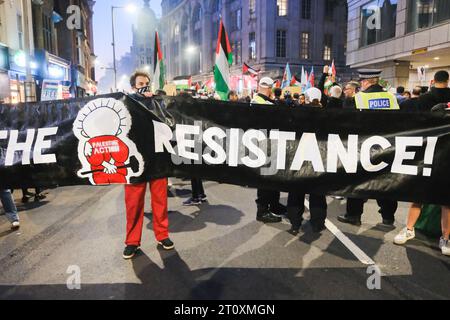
x=333, y=70
x=312, y=78
x=246, y=69
x=277, y=84
x=158, y=72
x=224, y=58
x=183, y=82
x=209, y=84
x=295, y=82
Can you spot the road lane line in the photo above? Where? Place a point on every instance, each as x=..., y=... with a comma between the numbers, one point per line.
x=349, y=244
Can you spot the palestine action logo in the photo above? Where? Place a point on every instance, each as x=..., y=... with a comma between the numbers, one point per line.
x=106, y=153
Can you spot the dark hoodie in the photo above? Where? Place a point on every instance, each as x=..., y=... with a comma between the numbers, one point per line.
x=427, y=101
x=334, y=103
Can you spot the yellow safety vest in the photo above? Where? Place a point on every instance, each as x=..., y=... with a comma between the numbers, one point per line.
x=376, y=101
x=257, y=99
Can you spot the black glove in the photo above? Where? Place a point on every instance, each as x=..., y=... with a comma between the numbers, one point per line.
x=441, y=107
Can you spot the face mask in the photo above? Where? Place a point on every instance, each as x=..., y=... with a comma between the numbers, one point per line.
x=143, y=90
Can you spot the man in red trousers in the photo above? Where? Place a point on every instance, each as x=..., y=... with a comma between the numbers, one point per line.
x=135, y=194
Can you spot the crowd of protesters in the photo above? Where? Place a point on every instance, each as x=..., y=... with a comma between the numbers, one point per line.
x=327, y=95
x=351, y=95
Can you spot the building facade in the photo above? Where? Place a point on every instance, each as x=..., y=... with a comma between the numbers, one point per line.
x=400, y=37
x=18, y=68
x=40, y=54
x=54, y=72
x=265, y=34
x=144, y=38
x=140, y=56
x=76, y=44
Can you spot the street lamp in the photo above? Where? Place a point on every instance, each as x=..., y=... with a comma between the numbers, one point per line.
x=191, y=50
x=130, y=8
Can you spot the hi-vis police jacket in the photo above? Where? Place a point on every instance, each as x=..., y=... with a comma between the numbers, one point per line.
x=261, y=99
x=375, y=98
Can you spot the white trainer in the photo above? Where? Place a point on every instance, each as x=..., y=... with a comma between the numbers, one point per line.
x=442, y=242
x=404, y=236
x=445, y=247
x=15, y=225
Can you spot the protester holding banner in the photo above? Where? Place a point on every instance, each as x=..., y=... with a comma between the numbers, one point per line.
x=198, y=193
x=26, y=195
x=296, y=208
x=372, y=97
x=268, y=200
x=409, y=233
x=10, y=208
x=135, y=193
x=417, y=210
x=296, y=199
x=440, y=93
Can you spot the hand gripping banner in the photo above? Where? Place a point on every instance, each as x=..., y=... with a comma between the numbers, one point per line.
x=120, y=139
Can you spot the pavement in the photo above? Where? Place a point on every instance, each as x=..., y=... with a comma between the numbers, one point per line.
x=70, y=247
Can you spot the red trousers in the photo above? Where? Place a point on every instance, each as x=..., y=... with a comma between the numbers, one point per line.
x=134, y=201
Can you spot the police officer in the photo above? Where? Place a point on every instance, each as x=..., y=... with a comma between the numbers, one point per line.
x=268, y=200
x=372, y=97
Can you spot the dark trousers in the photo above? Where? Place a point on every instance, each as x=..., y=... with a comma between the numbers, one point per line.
x=296, y=207
x=355, y=208
x=267, y=197
x=197, y=188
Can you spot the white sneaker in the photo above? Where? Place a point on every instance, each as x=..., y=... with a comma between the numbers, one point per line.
x=442, y=242
x=404, y=236
x=15, y=225
x=444, y=245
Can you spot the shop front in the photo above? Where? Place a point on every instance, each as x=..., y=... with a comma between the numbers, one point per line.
x=22, y=87
x=5, y=90
x=55, y=80
x=84, y=86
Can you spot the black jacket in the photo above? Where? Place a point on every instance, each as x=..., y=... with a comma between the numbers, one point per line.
x=334, y=103
x=410, y=105
x=374, y=88
x=427, y=101
x=349, y=103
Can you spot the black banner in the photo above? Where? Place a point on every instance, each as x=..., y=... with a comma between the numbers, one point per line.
x=119, y=139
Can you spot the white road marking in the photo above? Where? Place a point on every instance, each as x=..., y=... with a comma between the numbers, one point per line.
x=349, y=244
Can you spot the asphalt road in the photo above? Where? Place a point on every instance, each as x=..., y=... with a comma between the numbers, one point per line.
x=221, y=253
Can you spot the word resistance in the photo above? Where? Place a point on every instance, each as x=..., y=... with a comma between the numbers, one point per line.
x=294, y=151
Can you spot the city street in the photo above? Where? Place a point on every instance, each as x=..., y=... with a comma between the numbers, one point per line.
x=221, y=252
